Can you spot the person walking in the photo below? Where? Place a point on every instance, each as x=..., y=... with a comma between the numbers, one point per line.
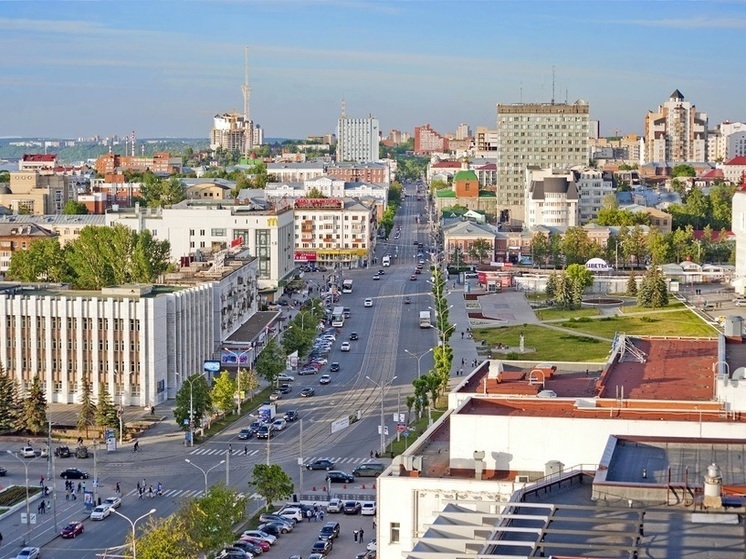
x=136, y=447
x=119, y=489
x=361, y=534
x=354, y=534
x=1, y=538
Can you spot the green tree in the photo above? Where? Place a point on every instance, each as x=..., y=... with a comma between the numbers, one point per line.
x=635, y=245
x=74, y=208
x=632, y=284
x=576, y=246
x=555, y=250
x=552, y=281
x=212, y=516
x=683, y=170
x=33, y=418
x=247, y=381
x=580, y=278
x=658, y=247
x=106, y=412
x=44, y=260
x=395, y=193
x=271, y=361
x=8, y=403
x=194, y=391
x=315, y=193
x=539, y=249
x=223, y=392
x=164, y=537
x=271, y=482
x=653, y=292
x=481, y=249
x=457, y=256
x=87, y=413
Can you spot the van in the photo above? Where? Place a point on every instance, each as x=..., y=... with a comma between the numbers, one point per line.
x=369, y=469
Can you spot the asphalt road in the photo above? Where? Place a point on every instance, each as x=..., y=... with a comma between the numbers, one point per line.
x=385, y=330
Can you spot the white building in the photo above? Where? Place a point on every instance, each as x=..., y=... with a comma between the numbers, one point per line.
x=592, y=185
x=726, y=141
x=296, y=172
x=358, y=139
x=198, y=229
x=335, y=231
x=734, y=170
x=676, y=132
x=738, y=227
x=551, y=198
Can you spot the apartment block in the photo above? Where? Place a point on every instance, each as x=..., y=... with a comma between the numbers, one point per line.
x=358, y=139
x=427, y=141
x=35, y=192
x=676, y=132
x=551, y=199
x=540, y=135
x=159, y=163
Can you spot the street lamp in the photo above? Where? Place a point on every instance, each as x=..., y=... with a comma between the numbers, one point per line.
x=383, y=387
x=204, y=472
x=133, y=524
x=191, y=406
x=418, y=357
x=238, y=371
x=28, y=512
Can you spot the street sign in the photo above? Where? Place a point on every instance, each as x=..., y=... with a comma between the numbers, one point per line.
x=406, y=433
x=401, y=427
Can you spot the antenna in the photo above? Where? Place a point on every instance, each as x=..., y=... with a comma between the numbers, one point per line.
x=132, y=146
x=344, y=109
x=552, y=85
x=520, y=94
x=565, y=96
x=246, y=91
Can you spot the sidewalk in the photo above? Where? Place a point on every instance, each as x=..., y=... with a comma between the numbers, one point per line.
x=464, y=349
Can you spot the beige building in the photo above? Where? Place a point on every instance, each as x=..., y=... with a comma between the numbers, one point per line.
x=540, y=135
x=34, y=192
x=208, y=189
x=551, y=198
x=676, y=132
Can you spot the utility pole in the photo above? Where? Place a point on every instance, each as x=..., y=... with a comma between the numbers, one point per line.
x=50, y=475
x=228, y=466
x=95, y=473
x=300, y=459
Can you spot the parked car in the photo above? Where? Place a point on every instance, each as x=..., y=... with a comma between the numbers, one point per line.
x=308, y=370
x=260, y=535
x=339, y=476
x=262, y=544
x=354, y=336
x=322, y=546
x=100, y=512
x=74, y=473
x=28, y=553
x=376, y=277
x=307, y=392
x=276, y=395
x=334, y=505
x=276, y=528
x=322, y=464
x=347, y=312
x=28, y=452
x=368, y=509
x=276, y=518
x=413, y=278
x=352, y=507
x=282, y=377
x=285, y=388
x=325, y=379
x=291, y=415
x=291, y=512
x=71, y=530
x=81, y=452
x=248, y=547
x=372, y=545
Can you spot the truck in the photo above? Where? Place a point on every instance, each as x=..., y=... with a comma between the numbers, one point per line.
x=386, y=261
x=425, y=319
x=347, y=286
x=267, y=412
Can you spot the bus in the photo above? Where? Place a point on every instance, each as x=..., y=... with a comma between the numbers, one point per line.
x=338, y=317
x=347, y=286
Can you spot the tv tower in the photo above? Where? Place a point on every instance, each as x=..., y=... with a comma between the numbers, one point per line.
x=246, y=90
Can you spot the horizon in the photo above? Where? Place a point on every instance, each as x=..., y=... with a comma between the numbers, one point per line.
x=78, y=69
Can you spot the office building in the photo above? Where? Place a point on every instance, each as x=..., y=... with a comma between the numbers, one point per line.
x=35, y=192
x=357, y=139
x=551, y=199
x=676, y=132
x=541, y=135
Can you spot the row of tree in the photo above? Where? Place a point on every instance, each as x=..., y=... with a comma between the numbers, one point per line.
x=100, y=256
x=22, y=414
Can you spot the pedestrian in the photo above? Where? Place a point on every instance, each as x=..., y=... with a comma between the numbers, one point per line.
x=159, y=489
x=136, y=447
x=361, y=535
x=75, y=498
x=139, y=493
x=150, y=492
x=28, y=442
x=152, y=410
x=462, y=335
x=80, y=486
x=67, y=494
x=143, y=484
x=354, y=533
x=245, y=449
x=374, y=523
x=463, y=361
x=321, y=515
x=41, y=481
x=371, y=454
x=1, y=538
x=119, y=489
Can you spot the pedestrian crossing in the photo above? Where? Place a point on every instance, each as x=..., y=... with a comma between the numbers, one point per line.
x=183, y=493
x=338, y=460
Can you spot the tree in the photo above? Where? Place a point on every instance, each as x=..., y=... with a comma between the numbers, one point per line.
x=106, y=412
x=211, y=517
x=271, y=361
x=580, y=278
x=457, y=256
x=223, y=392
x=683, y=170
x=44, y=260
x=247, y=381
x=653, y=292
x=632, y=284
x=163, y=537
x=195, y=391
x=87, y=413
x=33, y=418
x=539, y=248
x=8, y=403
x=635, y=245
x=271, y=482
x=480, y=249
x=552, y=281
x=576, y=245
x=74, y=208
x=658, y=247
x=315, y=193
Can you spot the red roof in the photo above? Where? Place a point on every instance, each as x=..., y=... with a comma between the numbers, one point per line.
x=447, y=165
x=740, y=160
x=713, y=174
x=488, y=167
x=39, y=157
x=699, y=233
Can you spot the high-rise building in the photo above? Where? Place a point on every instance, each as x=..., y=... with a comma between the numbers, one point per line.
x=357, y=138
x=463, y=131
x=543, y=135
x=427, y=141
x=676, y=133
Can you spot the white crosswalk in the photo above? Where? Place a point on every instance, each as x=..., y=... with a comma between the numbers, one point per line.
x=170, y=493
x=253, y=452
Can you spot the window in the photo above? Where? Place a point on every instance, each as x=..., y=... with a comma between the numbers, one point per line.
x=394, y=533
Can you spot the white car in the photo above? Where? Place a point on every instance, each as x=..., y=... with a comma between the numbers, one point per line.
x=368, y=302
x=335, y=505
x=113, y=502
x=328, y=337
x=372, y=546
x=325, y=379
x=29, y=553
x=279, y=424
x=100, y=512
x=282, y=377
x=28, y=452
x=258, y=534
x=368, y=509
x=345, y=346
x=291, y=512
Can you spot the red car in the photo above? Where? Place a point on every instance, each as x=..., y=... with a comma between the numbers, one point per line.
x=261, y=543
x=72, y=530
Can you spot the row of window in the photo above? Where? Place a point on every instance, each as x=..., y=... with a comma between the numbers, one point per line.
x=213, y=232
x=40, y=343
x=56, y=366
x=55, y=322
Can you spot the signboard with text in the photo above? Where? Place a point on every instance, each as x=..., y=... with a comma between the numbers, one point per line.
x=305, y=257
x=318, y=204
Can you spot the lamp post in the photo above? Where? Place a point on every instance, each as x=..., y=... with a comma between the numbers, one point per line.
x=382, y=386
x=191, y=406
x=238, y=357
x=418, y=357
x=204, y=472
x=133, y=524
x=120, y=415
x=28, y=512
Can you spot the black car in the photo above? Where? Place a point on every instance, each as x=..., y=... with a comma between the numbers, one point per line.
x=354, y=336
x=339, y=477
x=334, y=367
x=329, y=531
x=74, y=473
x=3, y=471
x=285, y=388
x=322, y=546
x=274, y=528
x=320, y=465
x=264, y=432
x=307, y=392
x=291, y=415
x=352, y=507
x=245, y=434
x=62, y=452
x=248, y=546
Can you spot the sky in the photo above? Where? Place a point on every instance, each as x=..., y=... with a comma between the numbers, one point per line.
x=161, y=68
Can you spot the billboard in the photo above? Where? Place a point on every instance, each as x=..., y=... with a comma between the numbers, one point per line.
x=318, y=204
x=211, y=366
x=305, y=257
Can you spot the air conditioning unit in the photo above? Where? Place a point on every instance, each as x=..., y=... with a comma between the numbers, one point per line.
x=521, y=479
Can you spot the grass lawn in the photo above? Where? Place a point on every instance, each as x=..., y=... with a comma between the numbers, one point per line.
x=673, y=304
x=419, y=426
x=678, y=323
x=554, y=314
x=550, y=345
